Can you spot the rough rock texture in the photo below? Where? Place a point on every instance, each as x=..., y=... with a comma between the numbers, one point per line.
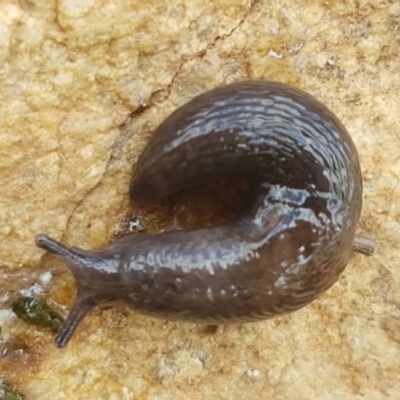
x=83, y=84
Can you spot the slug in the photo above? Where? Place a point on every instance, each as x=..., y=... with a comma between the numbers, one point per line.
x=290, y=242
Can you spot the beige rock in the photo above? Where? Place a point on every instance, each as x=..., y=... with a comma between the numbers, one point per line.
x=83, y=84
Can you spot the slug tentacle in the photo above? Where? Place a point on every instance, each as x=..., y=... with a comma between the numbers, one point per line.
x=291, y=241
x=46, y=243
x=88, y=268
x=76, y=315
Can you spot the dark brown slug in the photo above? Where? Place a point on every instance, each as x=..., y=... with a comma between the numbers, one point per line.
x=289, y=244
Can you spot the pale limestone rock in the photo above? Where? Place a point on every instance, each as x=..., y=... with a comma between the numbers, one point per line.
x=84, y=83
x=76, y=73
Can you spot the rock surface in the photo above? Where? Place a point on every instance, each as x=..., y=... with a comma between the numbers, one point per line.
x=83, y=86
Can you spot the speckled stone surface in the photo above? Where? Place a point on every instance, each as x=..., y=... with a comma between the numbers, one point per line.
x=84, y=83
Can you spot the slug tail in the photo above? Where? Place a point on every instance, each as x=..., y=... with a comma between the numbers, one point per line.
x=76, y=315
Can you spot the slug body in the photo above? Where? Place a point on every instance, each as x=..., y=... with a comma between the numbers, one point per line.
x=291, y=241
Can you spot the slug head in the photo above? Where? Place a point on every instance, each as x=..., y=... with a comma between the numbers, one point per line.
x=91, y=269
